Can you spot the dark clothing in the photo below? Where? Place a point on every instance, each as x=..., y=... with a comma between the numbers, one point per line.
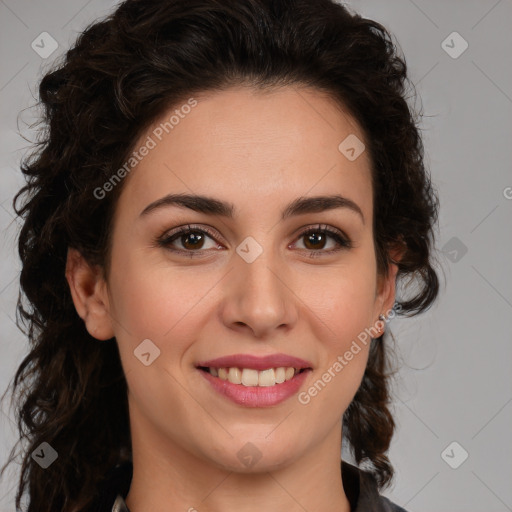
x=360, y=488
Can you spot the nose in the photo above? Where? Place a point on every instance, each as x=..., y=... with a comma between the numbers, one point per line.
x=259, y=296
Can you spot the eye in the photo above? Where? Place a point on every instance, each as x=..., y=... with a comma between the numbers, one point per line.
x=192, y=240
x=315, y=240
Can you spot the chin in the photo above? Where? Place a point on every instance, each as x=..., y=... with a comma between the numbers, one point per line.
x=254, y=456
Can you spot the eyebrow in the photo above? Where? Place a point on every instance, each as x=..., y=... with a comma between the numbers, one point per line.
x=211, y=206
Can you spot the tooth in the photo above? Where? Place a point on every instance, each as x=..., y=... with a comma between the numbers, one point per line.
x=266, y=378
x=235, y=375
x=249, y=377
x=280, y=375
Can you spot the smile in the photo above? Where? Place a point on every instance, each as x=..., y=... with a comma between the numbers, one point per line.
x=253, y=378
x=249, y=394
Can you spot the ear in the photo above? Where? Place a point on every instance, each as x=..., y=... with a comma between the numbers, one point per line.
x=386, y=287
x=89, y=293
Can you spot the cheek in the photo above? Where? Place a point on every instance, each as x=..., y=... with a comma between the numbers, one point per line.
x=344, y=298
x=345, y=305
x=155, y=302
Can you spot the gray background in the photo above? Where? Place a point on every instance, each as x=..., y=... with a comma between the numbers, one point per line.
x=455, y=378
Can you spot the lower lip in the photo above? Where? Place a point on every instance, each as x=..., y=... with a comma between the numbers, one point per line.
x=256, y=396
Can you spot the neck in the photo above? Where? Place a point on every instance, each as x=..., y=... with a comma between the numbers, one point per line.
x=175, y=479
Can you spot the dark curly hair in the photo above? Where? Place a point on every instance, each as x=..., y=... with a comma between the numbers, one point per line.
x=122, y=73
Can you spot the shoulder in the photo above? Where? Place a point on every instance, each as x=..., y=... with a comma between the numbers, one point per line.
x=363, y=493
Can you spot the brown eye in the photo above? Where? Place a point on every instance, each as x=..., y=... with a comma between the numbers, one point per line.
x=192, y=240
x=315, y=240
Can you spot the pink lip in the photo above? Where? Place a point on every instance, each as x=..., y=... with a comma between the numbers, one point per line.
x=256, y=362
x=256, y=396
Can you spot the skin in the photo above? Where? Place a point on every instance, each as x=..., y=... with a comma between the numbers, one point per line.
x=259, y=151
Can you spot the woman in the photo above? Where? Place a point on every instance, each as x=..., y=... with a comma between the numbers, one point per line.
x=214, y=228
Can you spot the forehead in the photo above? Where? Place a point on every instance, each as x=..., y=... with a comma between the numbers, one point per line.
x=249, y=146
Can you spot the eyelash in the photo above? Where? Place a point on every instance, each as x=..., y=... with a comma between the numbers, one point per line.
x=167, y=238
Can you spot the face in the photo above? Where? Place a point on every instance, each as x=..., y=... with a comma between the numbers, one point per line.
x=268, y=279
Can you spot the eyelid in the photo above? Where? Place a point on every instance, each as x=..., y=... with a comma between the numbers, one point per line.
x=187, y=228
x=341, y=239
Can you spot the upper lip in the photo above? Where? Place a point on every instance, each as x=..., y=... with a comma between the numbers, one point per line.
x=256, y=362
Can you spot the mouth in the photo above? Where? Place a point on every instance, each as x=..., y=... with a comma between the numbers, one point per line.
x=249, y=387
x=251, y=377
x=254, y=380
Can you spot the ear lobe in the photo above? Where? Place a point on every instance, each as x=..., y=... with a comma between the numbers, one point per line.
x=89, y=293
